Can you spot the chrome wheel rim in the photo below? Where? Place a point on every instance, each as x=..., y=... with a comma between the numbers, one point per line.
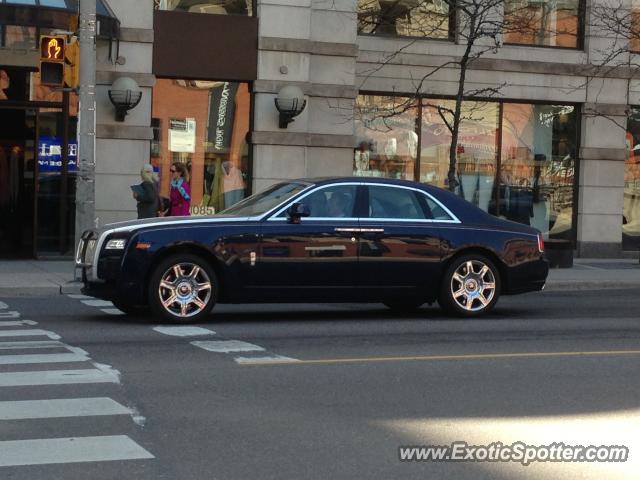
x=473, y=285
x=185, y=290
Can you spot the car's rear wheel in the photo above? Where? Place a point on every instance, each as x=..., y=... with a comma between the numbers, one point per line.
x=470, y=286
x=183, y=289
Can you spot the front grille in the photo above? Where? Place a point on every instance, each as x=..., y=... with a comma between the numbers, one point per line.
x=86, y=249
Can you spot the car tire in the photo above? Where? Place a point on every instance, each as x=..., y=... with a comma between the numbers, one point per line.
x=406, y=306
x=183, y=289
x=131, y=310
x=470, y=286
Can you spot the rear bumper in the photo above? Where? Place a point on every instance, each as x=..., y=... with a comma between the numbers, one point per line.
x=528, y=277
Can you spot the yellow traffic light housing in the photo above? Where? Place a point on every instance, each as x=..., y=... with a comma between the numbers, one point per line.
x=72, y=64
x=52, y=60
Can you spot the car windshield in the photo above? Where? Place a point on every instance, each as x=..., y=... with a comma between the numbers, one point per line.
x=262, y=202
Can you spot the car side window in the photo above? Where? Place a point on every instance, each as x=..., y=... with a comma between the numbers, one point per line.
x=334, y=201
x=393, y=202
x=437, y=212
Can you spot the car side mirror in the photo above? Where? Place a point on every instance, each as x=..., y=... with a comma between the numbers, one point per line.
x=297, y=211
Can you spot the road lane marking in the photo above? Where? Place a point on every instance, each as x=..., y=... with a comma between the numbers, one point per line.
x=17, y=323
x=33, y=344
x=112, y=311
x=11, y=314
x=57, y=377
x=3, y=306
x=77, y=296
x=61, y=408
x=487, y=356
x=42, y=358
x=70, y=450
x=265, y=360
x=35, y=332
x=97, y=303
x=227, y=346
x=184, y=331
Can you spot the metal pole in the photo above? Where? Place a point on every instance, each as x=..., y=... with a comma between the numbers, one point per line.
x=85, y=186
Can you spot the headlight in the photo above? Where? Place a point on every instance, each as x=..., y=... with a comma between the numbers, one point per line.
x=116, y=244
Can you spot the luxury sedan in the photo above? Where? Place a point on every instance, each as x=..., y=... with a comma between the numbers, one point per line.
x=317, y=240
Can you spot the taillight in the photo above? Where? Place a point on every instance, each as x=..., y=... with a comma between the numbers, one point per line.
x=540, y=243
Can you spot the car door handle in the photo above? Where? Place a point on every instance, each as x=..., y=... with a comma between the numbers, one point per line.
x=348, y=230
x=372, y=230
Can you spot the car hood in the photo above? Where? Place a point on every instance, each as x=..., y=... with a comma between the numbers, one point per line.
x=133, y=225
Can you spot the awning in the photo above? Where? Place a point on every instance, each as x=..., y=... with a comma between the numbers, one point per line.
x=56, y=14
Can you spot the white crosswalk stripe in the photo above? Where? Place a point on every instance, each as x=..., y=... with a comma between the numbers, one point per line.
x=61, y=408
x=56, y=377
x=227, y=346
x=183, y=331
x=34, y=332
x=97, y=303
x=42, y=358
x=46, y=451
x=70, y=450
x=112, y=311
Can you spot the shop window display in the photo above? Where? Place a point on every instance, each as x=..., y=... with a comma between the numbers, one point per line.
x=516, y=161
x=203, y=124
x=387, y=138
x=410, y=18
x=631, y=208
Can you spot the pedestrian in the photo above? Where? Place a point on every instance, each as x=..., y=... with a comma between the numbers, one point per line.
x=146, y=194
x=180, y=193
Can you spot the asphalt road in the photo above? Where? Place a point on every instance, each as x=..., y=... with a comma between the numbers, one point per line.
x=315, y=391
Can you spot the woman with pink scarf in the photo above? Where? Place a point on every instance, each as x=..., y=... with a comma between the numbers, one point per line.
x=180, y=193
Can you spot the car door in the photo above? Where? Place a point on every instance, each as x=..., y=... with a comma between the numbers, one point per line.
x=317, y=256
x=399, y=240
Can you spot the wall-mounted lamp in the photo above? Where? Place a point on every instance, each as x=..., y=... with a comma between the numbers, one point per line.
x=290, y=103
x=125, y=94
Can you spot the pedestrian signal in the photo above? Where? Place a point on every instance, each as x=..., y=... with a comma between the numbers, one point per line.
x=52, y=59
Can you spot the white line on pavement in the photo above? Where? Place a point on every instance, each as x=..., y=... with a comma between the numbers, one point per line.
x=227, y=346
x=3, y=306
x=57, y=377
x=271, y=358
x=16, y=323
x=97, y=303
x=184, y=331
x=42, y=358
x=70, y=450
x=77, y=296
x=11, y=314
x=112, y=311
x=29, y=333
x=33, y=344
x=59, y=408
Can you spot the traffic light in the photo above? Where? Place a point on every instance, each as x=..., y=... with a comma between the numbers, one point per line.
x=52, y=60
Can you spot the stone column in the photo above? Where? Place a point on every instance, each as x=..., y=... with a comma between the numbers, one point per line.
x=601, y=181
x=122, y=147
x=311, y=44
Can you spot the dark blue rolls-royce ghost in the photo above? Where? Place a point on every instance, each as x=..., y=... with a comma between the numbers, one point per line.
x=321, y=240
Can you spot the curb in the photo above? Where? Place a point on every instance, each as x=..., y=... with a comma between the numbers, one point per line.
x=569, y=285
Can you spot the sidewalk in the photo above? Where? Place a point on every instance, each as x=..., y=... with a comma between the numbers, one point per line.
x=55, y=277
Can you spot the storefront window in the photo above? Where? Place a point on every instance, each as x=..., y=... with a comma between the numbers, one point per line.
x=476, y=151
x=634, y=30
x=405, y=18
x=548, y=23
x=537, y=169
x=631, y=212
x=203, y=124
x=219, y=7
x=17, y=36
x=387, y=138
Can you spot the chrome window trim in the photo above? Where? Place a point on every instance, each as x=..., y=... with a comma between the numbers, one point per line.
x=302, y=195
x=454, y=218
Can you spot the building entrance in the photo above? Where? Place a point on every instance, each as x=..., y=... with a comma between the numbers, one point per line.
x=37, y=182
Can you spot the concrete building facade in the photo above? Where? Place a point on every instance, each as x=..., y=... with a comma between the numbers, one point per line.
x=552, y=135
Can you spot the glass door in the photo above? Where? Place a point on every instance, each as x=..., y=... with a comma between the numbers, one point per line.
x=17, y=182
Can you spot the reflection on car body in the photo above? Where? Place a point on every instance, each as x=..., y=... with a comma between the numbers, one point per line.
x=317, y=240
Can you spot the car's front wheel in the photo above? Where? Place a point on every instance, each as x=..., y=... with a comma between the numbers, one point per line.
x=183, y=289
x=470, y=286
